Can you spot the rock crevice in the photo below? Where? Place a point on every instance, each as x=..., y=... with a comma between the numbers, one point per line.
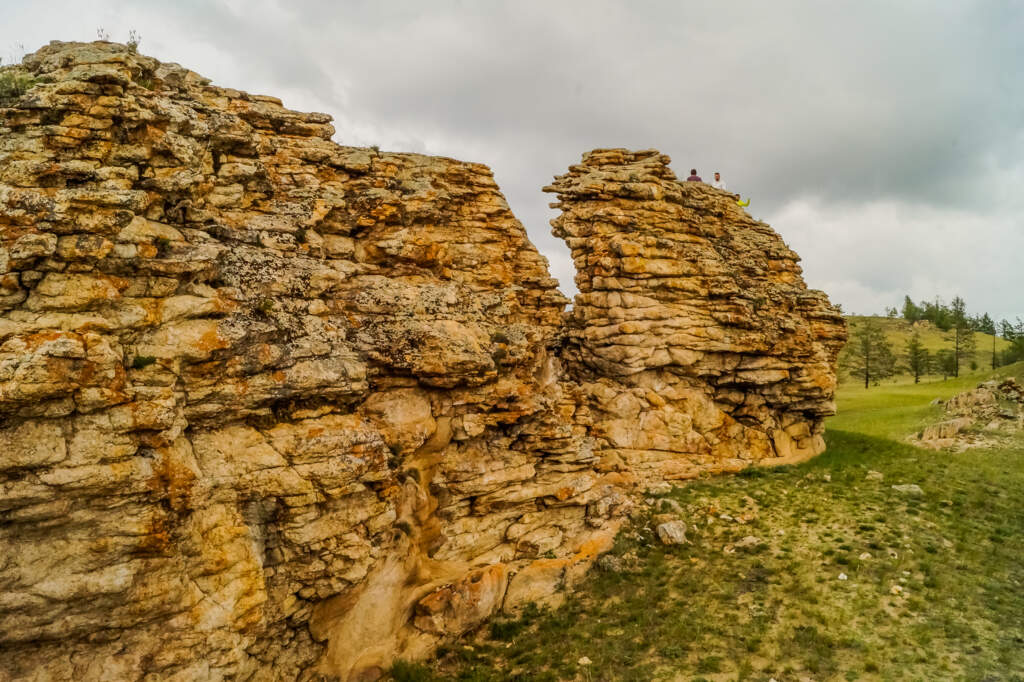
x=276, y=408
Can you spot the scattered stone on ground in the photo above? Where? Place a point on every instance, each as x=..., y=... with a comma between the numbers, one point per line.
x=874, y=476
x=909, y=489
x=611, y=563
x=672, y=533
x=659, y=488
x=670, y=504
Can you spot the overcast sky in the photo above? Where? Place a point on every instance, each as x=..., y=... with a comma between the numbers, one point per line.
x=883, y=140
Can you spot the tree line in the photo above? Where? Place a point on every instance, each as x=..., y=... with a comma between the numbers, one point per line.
x=943, y=316
x=869, y=356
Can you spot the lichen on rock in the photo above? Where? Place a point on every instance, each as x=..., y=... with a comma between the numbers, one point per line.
x=694, y=338
x=276, y=408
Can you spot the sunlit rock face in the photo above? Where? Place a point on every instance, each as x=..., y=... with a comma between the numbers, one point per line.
x=274, y=408
x=695, y=341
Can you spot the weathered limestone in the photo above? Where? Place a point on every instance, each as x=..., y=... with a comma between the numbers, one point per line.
x=274, y=408
x=697, y=344
x=977, y=417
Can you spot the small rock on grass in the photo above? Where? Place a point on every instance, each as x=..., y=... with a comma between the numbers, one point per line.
x=660, y=488
x=746, y=543
x=909, y=489
x=669, y=504
x=874, y=476
x=672, y=533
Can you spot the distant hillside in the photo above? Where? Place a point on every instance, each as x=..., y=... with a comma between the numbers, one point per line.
x=898, y=331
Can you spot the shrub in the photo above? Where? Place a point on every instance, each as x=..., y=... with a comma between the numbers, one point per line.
x=14, y=82
x=403, y=671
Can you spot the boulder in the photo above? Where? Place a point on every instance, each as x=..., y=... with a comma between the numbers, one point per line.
x=672, y=533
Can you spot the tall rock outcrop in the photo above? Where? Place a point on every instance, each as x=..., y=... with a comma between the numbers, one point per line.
x=696, y=342
x=274, y=408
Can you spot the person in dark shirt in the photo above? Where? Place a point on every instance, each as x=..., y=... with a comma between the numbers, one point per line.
x=693, y=176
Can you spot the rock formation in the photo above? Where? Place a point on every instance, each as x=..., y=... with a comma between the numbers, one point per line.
x=694, y=339
x=977, y=417
x=274, y=408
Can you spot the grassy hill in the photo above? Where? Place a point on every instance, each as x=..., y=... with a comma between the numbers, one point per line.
x=898, y=331
x=895, y=409
x=808, y=572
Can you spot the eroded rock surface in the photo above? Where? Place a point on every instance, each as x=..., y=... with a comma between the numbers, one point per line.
x=694, y=339
x=978, y=417
x=274, y=408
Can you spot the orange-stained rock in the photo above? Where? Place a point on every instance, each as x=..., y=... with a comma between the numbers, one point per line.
x=694, y=338
x=276, y=408
x=457, y=608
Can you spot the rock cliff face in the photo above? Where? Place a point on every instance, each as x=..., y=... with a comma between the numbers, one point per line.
x=695, y=341
x=274, y=408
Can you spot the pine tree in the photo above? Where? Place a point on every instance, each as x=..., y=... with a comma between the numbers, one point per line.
x=938, y=314
x=917, y=357
x=1014, y=333
x=986, y=325
x=911, y=311
x=869, y=355
x=944, y=363
x=964, y=343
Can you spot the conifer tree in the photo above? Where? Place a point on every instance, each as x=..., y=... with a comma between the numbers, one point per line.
x=917, y=357
x=911, y=311
x=944, y=363
x=962, y=334
x=869, y=354
x=986, y=325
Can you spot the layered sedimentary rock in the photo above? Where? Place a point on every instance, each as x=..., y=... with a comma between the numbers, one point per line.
x=695, y=340
x=976, y=418
x=274, y=408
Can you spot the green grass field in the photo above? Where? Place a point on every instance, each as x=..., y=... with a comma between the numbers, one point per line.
x=897, y=408
x=932, y=590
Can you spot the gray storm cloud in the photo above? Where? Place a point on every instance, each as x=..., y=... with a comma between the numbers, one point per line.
x=884, y=141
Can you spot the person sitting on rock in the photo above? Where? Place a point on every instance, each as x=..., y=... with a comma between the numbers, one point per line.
x=717, y=182
x=693, y=176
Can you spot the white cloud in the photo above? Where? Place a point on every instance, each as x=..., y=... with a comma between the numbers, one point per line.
x=868, y=256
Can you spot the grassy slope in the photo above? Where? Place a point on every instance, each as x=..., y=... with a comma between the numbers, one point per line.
x=896, y=409
x=710, y=610
x=898, y=331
